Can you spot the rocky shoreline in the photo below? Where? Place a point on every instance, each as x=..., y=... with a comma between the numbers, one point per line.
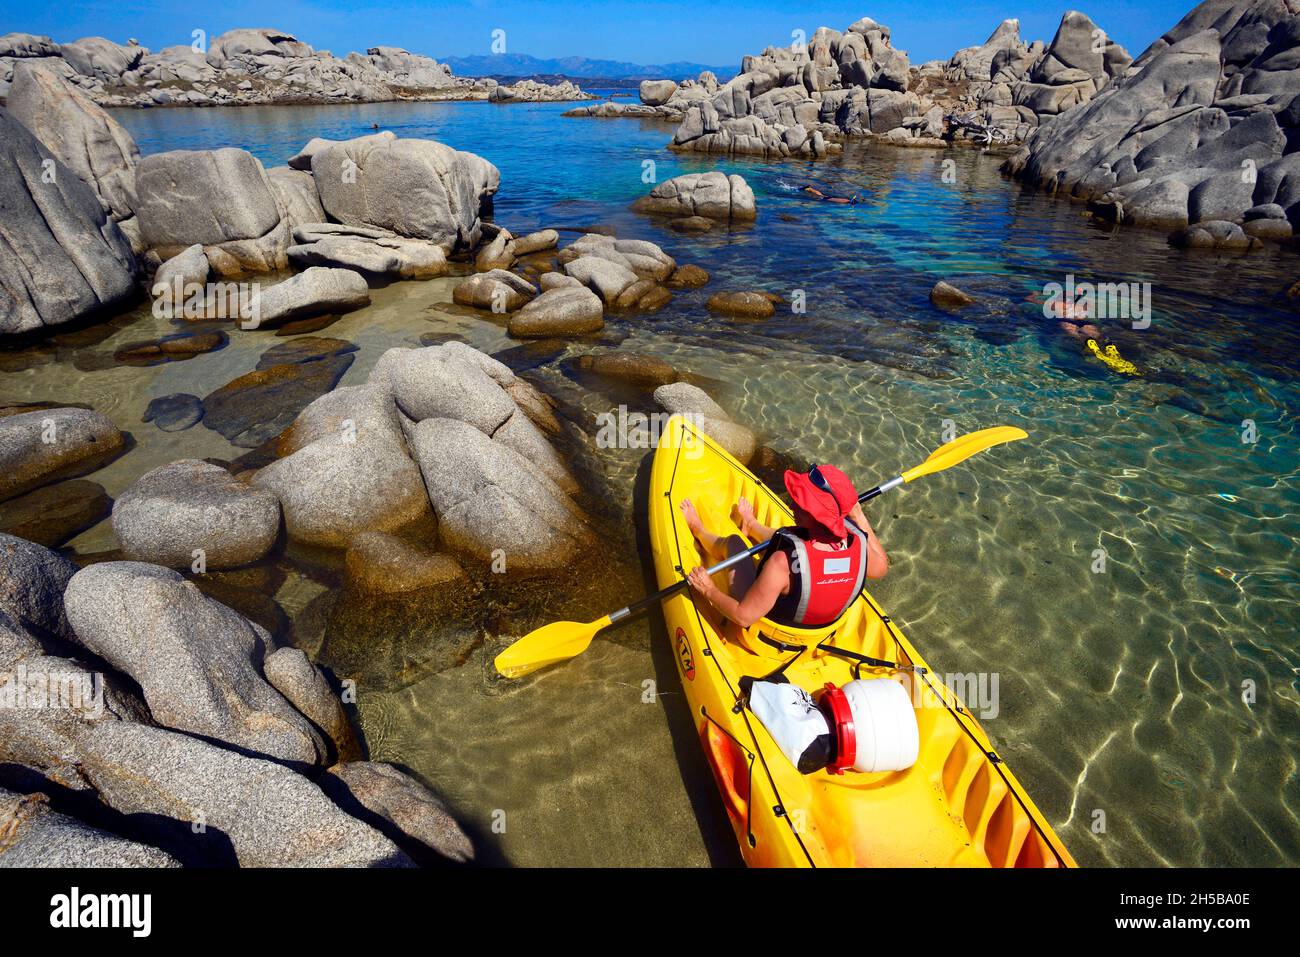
x=1198, y=135
x=255, y=67
x=195, y=733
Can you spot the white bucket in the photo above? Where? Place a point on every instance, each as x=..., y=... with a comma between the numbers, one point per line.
x=884, y=723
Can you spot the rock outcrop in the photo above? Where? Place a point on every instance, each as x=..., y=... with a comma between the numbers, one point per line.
x=220, y=199
x=248, y=66
x=713, y=195
x=420, y=189
x=197, y=661
x=62, y=256
x=80, y=134
x=1203, y=129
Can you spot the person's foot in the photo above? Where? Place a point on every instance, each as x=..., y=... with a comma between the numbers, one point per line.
x=692, y=517
x=1091, y=331
x=743, y=514
x=1071, y=329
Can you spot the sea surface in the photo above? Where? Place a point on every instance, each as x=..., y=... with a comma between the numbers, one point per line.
x=1129, y=572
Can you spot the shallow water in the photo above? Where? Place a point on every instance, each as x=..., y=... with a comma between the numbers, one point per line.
x=1121, y=692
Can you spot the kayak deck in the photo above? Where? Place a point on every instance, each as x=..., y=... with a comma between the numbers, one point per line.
x=958, y=805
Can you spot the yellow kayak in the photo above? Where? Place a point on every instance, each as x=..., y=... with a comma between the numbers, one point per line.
x=958, y=805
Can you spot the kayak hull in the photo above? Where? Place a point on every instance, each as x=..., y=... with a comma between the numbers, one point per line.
x=958, y=806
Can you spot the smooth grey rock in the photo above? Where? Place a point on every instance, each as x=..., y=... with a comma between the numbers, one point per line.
x=302, y=159
x=296, y=192
x=416, y=188
x=362, y=412
x=606, y=278
x=656, y=92
x=61, y=256
x=32, y=582
x=33, y=835
x=563, y=311
x=314, y=291
x=498, y=290
x=380, y=256
x=488, y=497
x=197, y=661
x=102, y=59
x=336, y=487
x=682, y=398
x=291, y=673
x=80, y=135
x=712, y=194
x=38, y=447
x=221, y=199
x=258, y=812
x=174, y=510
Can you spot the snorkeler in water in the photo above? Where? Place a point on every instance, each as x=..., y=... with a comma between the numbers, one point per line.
x=813, y=191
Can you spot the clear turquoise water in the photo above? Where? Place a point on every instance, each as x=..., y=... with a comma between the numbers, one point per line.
x=1120, y=692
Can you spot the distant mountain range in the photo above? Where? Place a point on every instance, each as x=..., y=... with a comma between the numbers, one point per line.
x=521, y=64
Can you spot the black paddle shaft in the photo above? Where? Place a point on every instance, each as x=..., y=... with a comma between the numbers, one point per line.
x=652, y=600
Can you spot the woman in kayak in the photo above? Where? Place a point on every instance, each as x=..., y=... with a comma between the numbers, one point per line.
x=812, y=572
x=812, y=190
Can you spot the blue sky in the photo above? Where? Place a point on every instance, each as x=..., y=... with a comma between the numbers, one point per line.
x=704, y=31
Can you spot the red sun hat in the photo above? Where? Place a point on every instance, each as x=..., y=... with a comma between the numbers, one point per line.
x=829, y=504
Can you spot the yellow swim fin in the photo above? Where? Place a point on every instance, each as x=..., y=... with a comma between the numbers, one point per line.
x=1112, y=358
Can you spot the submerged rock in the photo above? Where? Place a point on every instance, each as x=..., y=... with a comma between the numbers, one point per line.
x=632, y=367
x=54, y=514
x=379, y=563
x=176, y=510
x=742, y=305
x=174, y=413
x=947, y=296
x=415, y=817
x=259, y=405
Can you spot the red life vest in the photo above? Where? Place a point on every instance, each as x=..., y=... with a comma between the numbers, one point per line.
x=823, y=584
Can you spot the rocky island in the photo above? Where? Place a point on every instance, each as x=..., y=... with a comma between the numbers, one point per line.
x=255, y=66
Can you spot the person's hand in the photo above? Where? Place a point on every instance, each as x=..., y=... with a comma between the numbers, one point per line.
x=700, y=581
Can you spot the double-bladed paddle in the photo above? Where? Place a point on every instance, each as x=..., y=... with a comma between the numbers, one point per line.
x=562, y=640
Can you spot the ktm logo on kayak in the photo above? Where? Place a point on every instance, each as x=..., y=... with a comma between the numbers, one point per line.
x=684, y=655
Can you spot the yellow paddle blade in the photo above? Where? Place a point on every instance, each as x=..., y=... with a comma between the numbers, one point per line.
x=556, y=642
x=960, y=449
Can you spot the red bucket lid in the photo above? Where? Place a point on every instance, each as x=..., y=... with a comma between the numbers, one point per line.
x=841, y=718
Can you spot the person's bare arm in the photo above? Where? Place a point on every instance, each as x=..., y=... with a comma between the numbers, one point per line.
x=758, y=601
x=877, y=560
